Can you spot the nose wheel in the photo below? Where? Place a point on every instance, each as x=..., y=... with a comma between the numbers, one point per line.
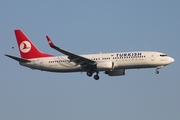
x=157, y=71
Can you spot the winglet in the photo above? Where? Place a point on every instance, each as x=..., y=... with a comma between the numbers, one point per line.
x=50, y=42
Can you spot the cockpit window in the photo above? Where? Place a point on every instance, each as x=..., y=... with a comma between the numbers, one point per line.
x=162, y=55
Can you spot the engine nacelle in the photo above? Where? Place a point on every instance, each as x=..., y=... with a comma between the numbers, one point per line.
x=116, y=73
x=105, y=66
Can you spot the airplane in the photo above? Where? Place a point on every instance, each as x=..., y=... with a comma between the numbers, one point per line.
x=112, y=64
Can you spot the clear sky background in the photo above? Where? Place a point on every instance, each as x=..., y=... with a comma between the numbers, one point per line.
x=82, y=27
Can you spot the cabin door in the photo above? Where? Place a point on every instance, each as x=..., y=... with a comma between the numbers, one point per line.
x=38, y=63
x=152, y=56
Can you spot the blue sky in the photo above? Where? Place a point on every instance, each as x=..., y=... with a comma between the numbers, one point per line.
x=85, y=26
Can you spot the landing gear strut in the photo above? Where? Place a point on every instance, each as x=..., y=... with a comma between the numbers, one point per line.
x=96, y=77
x=157, y=72
x=159, y=67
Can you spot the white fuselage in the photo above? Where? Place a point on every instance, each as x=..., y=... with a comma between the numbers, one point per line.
x=112, y=64
x=123, y=60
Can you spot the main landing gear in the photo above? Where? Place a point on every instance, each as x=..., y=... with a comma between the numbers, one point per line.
x=89, y=73
x=96, y=77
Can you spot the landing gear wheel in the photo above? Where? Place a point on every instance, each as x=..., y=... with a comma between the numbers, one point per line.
x=89, y=73
x=96, y=77
x=157, y=72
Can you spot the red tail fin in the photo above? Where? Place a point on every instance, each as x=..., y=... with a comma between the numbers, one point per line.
x=26, y=48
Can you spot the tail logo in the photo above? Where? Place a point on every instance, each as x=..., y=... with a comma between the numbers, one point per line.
x=25, y=46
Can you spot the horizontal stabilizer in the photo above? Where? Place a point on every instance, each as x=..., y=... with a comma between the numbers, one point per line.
x=18, y=59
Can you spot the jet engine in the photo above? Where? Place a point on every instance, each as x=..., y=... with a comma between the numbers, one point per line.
x=105, y=66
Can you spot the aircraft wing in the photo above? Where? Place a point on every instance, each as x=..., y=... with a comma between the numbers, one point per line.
x=79, y=60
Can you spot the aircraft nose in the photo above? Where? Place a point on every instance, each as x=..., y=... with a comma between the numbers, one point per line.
x=171, y=60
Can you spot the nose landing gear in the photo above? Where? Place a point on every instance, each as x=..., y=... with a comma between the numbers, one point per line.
x=159, y=67
x=157, y=72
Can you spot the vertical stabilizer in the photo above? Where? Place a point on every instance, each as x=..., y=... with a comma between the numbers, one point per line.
x=26, y=48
